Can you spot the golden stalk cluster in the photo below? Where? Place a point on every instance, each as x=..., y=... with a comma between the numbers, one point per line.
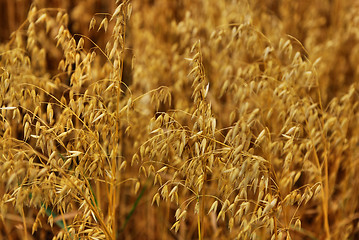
x=180, y=120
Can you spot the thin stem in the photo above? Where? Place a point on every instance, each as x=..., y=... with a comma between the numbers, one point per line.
x=24, y=223
x=116, y=190
x=325, y=193
x=199, y=223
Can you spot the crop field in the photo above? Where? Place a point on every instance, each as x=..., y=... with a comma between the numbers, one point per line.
x=179, y=119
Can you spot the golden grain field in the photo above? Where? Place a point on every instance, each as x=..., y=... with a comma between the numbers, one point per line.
x=186, y=119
